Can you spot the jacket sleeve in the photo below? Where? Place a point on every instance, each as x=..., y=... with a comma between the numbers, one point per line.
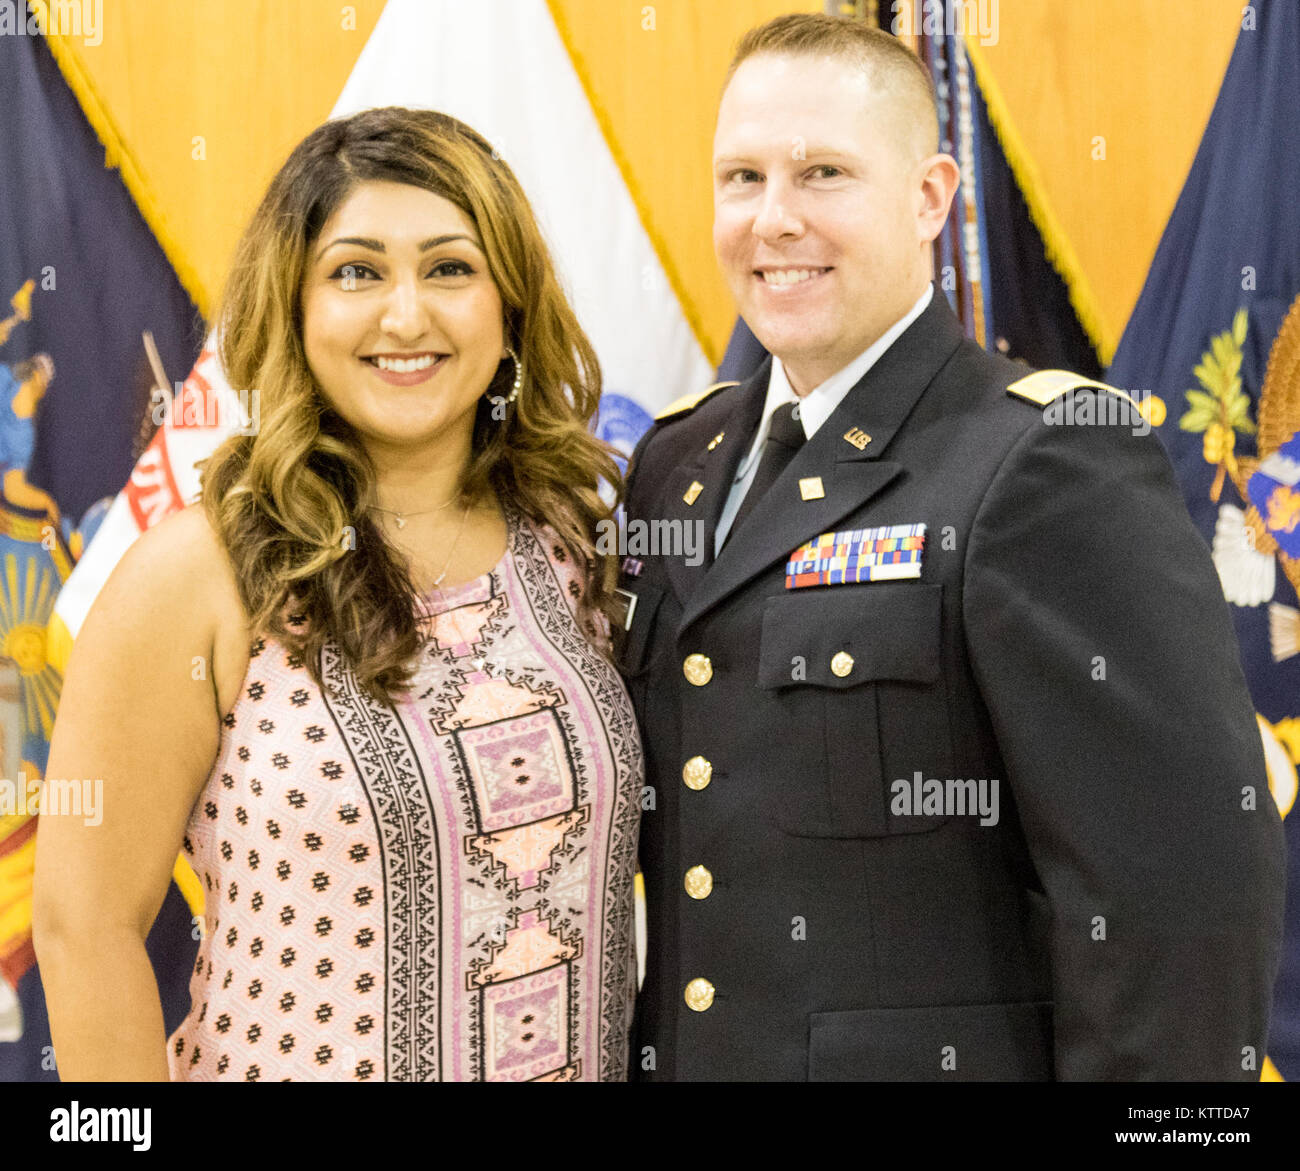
x=634, y=464
x=643, y=476
x=1106, y=657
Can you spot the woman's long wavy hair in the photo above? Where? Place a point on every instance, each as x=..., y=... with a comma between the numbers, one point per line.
x=282, y=500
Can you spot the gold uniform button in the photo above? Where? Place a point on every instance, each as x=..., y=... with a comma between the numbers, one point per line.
x=699, y=994
x=697, y=773
x=699, y=882
x=698, y=669
x=842, y=664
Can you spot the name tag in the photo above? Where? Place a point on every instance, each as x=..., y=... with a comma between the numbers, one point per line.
x=624, y=608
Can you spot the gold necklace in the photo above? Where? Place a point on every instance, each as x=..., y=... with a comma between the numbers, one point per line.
x=437, y=581
x=402, y=517
x=480, y=662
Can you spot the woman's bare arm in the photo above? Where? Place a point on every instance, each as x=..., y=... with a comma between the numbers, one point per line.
x=140, y=719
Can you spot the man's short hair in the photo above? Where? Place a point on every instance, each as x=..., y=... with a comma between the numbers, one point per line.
x=889, y=64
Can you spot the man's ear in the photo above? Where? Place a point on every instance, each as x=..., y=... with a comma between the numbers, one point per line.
x=939, y=176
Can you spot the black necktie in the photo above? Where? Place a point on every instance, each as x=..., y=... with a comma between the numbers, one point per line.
x=784, y=437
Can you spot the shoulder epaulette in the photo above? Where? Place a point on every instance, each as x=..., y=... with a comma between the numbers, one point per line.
x=688, y=402
x=1045, y=386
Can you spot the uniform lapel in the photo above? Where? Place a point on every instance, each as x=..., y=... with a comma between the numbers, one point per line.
x=714, y=470
x=878, y=405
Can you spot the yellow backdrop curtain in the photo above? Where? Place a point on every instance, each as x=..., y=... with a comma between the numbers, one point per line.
x=1100, y=107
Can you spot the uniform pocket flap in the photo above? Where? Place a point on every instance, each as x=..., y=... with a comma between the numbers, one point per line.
x=840, y=636
x=979, y=1042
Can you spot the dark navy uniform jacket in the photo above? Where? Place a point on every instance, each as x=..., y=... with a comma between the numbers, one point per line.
x=1067, y=637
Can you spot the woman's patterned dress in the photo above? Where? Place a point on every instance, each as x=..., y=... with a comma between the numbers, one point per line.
x=434, y=890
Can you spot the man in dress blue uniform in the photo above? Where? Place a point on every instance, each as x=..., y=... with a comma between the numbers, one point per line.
x=953, y=770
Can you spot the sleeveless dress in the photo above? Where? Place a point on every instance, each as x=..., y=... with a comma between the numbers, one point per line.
x=436, y=889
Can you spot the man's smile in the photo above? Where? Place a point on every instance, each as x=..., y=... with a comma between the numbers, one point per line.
x=783, y=278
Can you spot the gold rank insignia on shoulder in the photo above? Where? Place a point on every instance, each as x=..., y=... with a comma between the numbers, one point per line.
x=716, y=440
x=693, y=492
x=857, y=437
x=811, y=488
x=1046, y=386
x=688, y=402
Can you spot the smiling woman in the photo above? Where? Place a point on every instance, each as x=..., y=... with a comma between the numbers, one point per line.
x=371, y=301
x=397, y=754
x=368, y=258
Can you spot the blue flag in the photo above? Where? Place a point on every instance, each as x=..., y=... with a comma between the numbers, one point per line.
x=1216, y=336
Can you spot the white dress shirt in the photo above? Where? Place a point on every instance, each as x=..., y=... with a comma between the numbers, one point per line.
x=815, y=408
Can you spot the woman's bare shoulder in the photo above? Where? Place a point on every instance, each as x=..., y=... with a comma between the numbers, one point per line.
x=177, y=572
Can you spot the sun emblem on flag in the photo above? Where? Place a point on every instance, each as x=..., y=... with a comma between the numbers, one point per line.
x=27, y=592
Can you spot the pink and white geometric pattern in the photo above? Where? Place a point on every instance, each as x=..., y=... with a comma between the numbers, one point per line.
x=434, y=889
